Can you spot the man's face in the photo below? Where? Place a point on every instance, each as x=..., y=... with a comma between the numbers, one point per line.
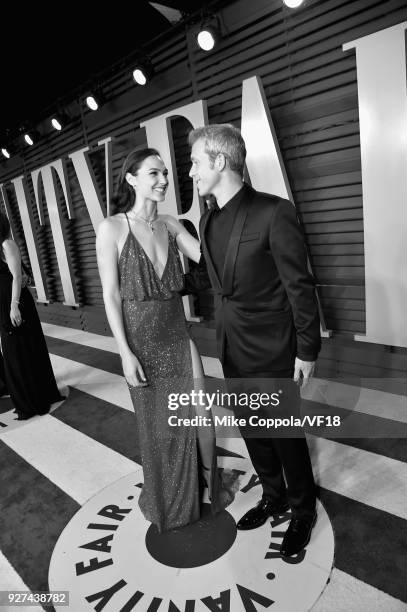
x=202, y=170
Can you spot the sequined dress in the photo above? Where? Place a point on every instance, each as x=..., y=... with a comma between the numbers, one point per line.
x=156, y=332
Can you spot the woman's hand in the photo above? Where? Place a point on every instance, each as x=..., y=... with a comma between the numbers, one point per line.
x=13, y=261
x=15, y=314
x=187, y=244
x=133, y=371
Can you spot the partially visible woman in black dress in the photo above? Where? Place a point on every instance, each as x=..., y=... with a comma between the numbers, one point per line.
x=27, y=367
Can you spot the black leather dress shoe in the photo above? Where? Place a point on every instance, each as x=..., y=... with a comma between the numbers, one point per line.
x=258, y=515
x=297, y=535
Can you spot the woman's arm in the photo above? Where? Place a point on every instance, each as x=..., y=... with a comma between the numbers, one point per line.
x=106, y=251
x=187, y=244
x=13, y=260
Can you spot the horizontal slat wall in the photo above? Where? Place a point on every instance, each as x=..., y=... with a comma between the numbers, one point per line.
x=119, y=119
x=311, y=89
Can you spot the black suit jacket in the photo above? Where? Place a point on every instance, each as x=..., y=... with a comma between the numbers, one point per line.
x=266, y=306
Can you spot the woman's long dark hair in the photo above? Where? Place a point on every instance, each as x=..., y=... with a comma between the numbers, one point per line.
x=4, y=227
x=123, y=198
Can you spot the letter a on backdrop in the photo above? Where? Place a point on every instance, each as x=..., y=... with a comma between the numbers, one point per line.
x=264, y=161
x=381, y=72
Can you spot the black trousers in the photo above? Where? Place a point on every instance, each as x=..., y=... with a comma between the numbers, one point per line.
x=282, y=464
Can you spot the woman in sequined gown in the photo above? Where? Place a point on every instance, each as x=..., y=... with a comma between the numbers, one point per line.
x=141, y=277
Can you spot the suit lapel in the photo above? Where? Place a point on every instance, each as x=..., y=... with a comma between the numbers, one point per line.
x=233, y=246
x=214, y=278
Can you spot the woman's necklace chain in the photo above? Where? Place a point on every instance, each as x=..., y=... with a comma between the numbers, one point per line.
x=148, y=221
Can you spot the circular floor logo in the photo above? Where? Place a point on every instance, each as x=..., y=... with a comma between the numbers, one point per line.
x=110, y=558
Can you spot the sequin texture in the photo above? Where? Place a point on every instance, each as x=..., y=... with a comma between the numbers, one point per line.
x=156, y=332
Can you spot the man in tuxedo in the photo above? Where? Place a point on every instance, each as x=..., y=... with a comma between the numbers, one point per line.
x=267, y=320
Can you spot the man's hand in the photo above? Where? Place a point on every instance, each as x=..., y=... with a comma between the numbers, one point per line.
x=306, y=368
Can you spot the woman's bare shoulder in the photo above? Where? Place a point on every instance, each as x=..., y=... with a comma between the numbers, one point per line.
x=112, y=226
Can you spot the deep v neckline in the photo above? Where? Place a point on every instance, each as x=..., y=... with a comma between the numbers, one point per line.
x=160, y=278
x=142, y=249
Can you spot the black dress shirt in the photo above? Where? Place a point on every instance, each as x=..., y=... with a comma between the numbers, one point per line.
x=219, y=229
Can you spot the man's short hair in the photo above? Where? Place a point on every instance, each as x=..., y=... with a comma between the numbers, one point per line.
x=222, y=138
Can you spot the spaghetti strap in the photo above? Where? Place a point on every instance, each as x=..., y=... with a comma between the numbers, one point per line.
x=128, y=222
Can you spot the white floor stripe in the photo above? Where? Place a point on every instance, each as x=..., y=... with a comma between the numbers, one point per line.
x=379, y=482
x=75, y=463
x=369, y=478
x=341, y=395
x=99, y=383
x=347, y=594
x=11, y=581
x=212, y=366
x=81, y=466
x=365, y=477
x=105, y=343
x=360, y=399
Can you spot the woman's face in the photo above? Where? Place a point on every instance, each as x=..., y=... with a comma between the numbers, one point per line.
x=151, y=180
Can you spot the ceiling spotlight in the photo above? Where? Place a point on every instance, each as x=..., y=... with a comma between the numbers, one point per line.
x=58, y=121
x=95, y=99
x=92, y=102
x=139, y=76
x=293, y=3
x=56, y=124
x=143, y=72
x=31, y=137
x=5, y=153
x=208, y=37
